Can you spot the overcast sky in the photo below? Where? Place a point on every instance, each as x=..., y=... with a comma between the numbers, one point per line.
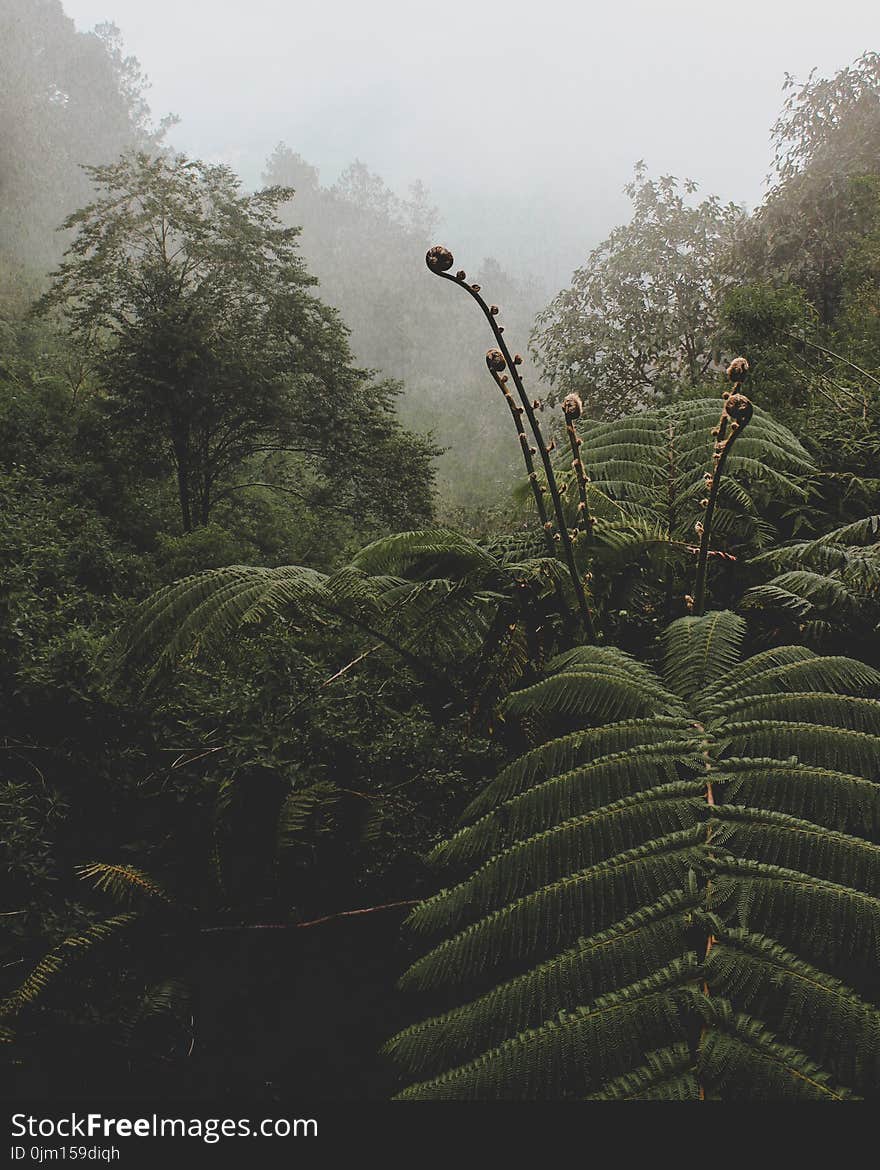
x=524, y=120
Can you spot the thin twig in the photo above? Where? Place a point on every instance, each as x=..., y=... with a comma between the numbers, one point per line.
x=303, y=925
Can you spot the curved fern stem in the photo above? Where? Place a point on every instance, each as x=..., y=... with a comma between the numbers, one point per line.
x=439, y=260
x=735, y=415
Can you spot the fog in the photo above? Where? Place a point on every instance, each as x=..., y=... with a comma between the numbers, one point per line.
x=524, y=120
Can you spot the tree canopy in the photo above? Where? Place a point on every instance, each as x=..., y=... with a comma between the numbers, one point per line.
x=641, y=316
x=196, y=309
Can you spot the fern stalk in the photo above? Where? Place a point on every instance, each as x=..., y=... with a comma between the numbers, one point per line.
x=572, y=408
x=516, y=414
x=735, y=416
x=439, y=261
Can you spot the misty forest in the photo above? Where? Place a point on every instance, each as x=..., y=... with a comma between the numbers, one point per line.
x=419, y=682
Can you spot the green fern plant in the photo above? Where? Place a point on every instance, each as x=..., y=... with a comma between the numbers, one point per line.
x=446, y=607
x=645, y=478
x=675, y=895
x=828, y=588
x=652, y=466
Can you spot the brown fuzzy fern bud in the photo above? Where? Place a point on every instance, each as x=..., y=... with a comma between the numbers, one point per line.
x=495, y=360
x=572, y=406
x=461, y=274
x=475, y=287
x=517, y=359
x=493, y=309
x=739, y=410
x=738, y=369
x=439, y=259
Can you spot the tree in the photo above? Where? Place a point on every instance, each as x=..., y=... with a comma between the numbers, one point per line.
x=640, y=317
x=196, y=307
x=827, y=136
x=66, y=98
x=673, y=895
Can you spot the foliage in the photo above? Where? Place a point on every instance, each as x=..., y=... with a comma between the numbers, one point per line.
x=67, y=98
x=669, y=890
x=463, y=618
x=828, y=590
x=645, y=479
x=640, y=317
x=825, y=137
x=683, y=867
x=194, y=304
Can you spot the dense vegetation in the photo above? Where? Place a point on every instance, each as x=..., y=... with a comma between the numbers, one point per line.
x=612, y=660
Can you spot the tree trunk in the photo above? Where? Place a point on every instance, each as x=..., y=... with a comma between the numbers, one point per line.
x=183, y=494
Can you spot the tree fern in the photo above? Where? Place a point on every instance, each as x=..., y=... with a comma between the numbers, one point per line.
x=436, y=600
x=652, y=467
x=677, y=897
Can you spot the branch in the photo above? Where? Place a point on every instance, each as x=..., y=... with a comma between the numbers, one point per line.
x=838, y=357
x=303, y=925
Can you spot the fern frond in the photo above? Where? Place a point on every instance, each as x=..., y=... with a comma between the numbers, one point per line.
x=299, y=810
x=753, y=668
x=829, y=709
x=700, y=650
x=571, y=846
x=206, y=607
x=170, y=998
x=124, y=883
x=809, y=743
x=667, y=1075
x=831, y=922
x=837, y=799
x=783, y=840
x=551, y=917
x=564, y=754
x=801, y=591
x=596, y=693
x=433, y=552
x=623, y=953
x=753, y=797
x=744, y=1061
x=562, y=797
x=571, y=1054
x=59, y=959
x=860, y=532
x=812, y=1009
x=808, y=672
